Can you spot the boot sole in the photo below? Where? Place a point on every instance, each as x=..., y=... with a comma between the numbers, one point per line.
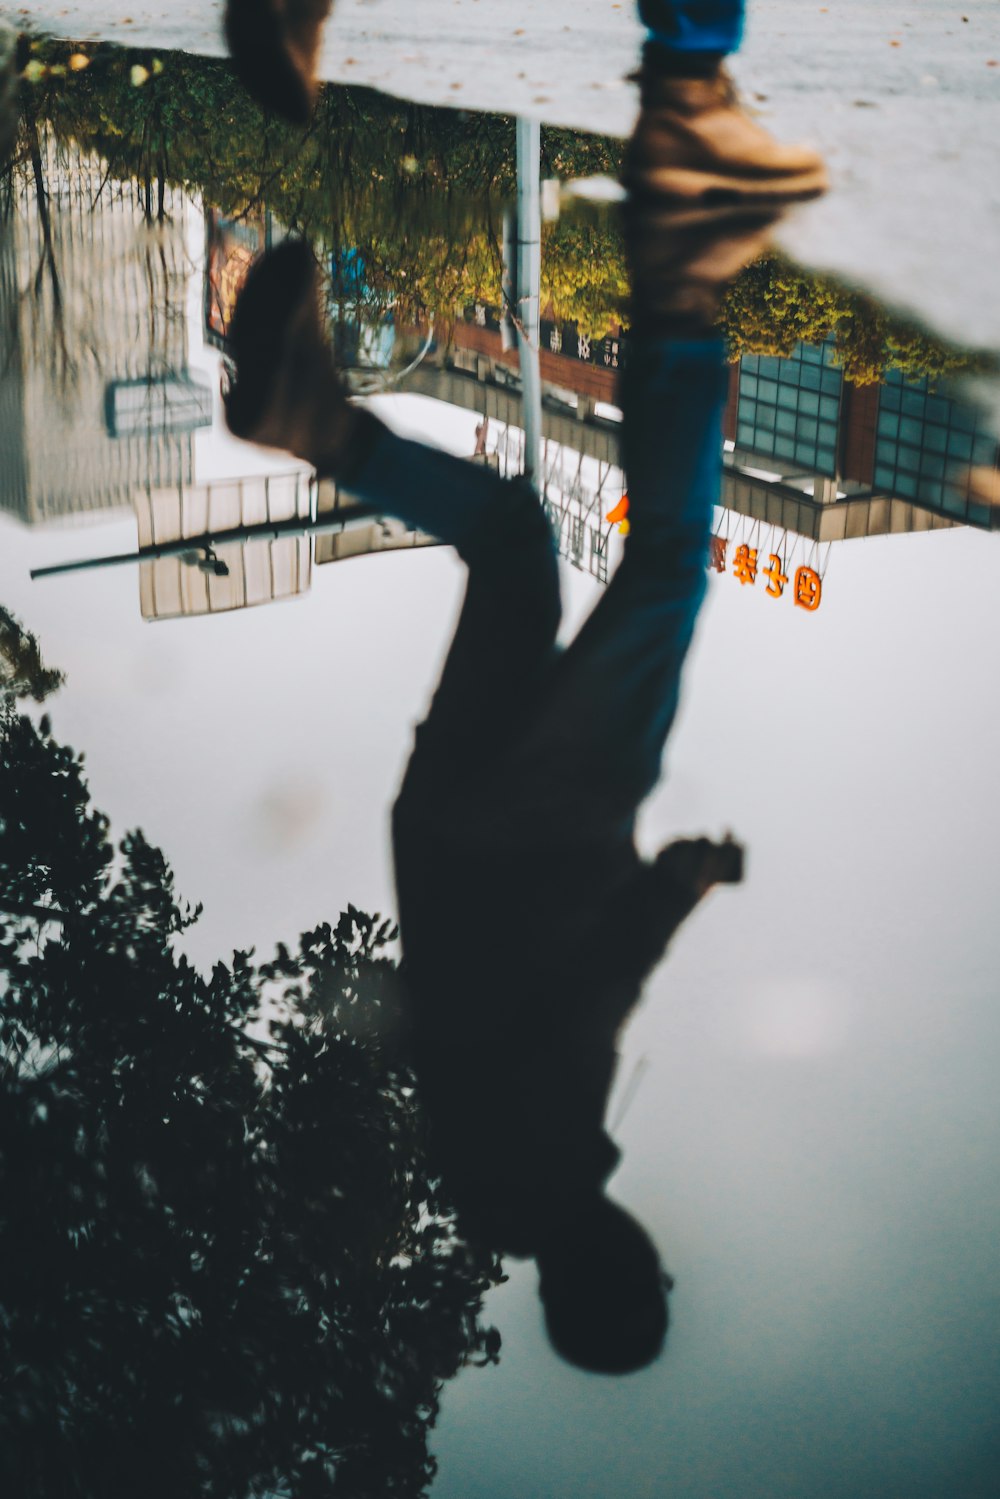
x=719, y=189
x=662, y=215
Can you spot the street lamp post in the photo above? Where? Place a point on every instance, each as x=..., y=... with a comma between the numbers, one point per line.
x=522, y=286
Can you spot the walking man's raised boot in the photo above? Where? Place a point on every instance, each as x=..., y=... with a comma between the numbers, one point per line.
x=694, y=143
x=285, y=391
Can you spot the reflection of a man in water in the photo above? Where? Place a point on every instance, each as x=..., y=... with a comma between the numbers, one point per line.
x=528, y=919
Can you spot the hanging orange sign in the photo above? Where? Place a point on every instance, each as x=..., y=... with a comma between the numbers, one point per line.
x=808, y=587
x=778, y=579
x=745, y=564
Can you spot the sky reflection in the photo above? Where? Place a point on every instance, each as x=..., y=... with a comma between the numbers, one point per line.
x=808, y=1089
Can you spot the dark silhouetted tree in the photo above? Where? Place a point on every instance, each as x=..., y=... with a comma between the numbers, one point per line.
x=226, y=1270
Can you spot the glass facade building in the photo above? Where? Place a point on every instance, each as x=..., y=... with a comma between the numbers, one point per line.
x=924, y=443
x=789, y=409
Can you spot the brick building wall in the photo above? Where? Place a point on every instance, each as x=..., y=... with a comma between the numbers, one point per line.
x=732, y=403
x=858, y=424
x=556, y=369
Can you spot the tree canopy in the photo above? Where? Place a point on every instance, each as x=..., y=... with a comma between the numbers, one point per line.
x=775, y=305
x=417, y=192
x=227, y=1269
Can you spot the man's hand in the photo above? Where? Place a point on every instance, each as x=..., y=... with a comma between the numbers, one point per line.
x=696, y=864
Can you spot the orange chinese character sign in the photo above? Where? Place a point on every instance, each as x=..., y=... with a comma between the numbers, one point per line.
x=745, y=564
x=778, y=579
x=717, y=553
x=808, y=588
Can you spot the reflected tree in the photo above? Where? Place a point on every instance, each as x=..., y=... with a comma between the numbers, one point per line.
x=415, y=192
x=22, y=670
x=226, y=1268
x=775, y=305
x=8, y=90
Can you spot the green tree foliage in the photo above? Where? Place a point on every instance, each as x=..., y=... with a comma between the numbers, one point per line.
x=417, y=192
x=775, y=305
x=584, y=277
x=227, y=1271
x=572, y=153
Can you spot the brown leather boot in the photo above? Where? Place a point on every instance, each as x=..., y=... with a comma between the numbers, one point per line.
x=694, y=143
x=286, y=392
x=682, y=259
x=275, y=49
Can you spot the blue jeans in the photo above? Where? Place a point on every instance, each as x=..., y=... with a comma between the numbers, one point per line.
x=694, y=25
x=569, y=742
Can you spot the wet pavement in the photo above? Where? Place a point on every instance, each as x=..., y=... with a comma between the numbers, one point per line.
x=230, y=1248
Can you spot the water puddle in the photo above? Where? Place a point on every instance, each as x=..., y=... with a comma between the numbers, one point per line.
x=233, y=1251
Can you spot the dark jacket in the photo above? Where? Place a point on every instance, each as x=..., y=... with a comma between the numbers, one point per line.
x=522, y=966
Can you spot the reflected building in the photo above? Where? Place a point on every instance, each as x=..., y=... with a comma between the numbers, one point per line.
x=383, y=534
x=231, y=575
x=835, y=461
x=96, y=400
x=811, y=459
x=97, y=409
x=232, y=243
x=580, y=474
x=216, y=575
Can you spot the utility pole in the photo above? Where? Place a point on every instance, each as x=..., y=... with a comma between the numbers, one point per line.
x=522, y=286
